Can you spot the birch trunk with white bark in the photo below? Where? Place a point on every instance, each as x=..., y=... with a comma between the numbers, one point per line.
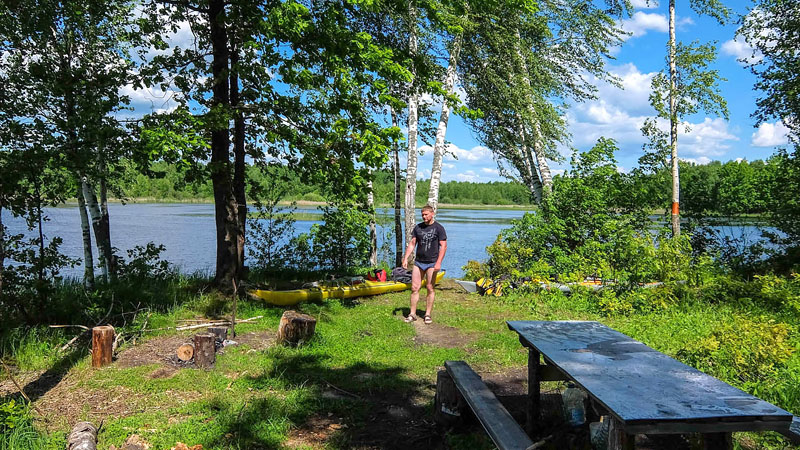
x=373, y=234
x=94, y=211
x=673, y=128
x=530, y=174
x=411, y=168
x=105, y=225
x=441, y=131
x=86, y=234
x=541, y=160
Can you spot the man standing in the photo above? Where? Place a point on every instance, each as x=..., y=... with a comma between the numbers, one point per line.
x=430, y=239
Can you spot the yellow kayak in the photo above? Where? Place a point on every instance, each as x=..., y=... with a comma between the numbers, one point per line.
x=295, y=296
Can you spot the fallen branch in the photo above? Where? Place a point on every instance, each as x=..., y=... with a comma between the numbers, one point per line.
x=70, y=326
x=215, y=323
x=340, y=389
x=11, y=377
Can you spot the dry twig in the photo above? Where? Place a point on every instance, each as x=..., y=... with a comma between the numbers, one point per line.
x=25, y=396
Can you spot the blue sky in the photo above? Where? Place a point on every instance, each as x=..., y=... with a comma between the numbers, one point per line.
x=617, y=113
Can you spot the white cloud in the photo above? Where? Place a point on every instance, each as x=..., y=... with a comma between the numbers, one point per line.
x=742, y=51
x=468, y=176
x=699, y=161
x=770, y=135
x=490, y=171
x=640, y=23
x=710, y=137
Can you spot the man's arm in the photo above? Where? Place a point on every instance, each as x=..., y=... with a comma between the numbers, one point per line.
x=442, y=251
x=411, y=244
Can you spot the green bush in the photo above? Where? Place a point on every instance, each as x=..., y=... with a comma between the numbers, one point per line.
x=740, y=349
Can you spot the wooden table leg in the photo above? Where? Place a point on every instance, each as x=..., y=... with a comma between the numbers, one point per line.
x=533, y=416
x=618, y=439
x=717, y=441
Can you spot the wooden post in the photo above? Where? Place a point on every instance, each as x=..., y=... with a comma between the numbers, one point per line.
x=449, y=405
x=533, y=392
x=204, y=350
x=221, y=333
x=296, y=328
x=618, y=439
x=82, y=437
x=102, y=343
x=717, y=441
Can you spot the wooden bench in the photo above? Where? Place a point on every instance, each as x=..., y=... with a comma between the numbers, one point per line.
x=495, y=419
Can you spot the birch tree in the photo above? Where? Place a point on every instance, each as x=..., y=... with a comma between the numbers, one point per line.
x=413, y=104
x=686, y=86
x=518, y=68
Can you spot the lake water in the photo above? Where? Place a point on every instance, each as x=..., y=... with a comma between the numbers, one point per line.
x=187, y=232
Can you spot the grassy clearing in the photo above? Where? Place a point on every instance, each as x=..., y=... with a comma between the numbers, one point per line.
x=335, y=392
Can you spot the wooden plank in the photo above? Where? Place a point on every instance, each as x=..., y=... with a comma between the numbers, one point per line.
x=641, y=386
x=498, y=423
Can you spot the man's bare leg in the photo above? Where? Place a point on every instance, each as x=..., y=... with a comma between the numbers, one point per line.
x=416, y=282
x=430, y=277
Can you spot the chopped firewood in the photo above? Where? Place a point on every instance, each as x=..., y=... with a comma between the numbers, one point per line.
x=185, y=352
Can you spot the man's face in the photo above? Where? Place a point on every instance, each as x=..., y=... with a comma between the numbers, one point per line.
x=427, y=216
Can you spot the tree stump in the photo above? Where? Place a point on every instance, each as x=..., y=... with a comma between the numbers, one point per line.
x=185, y=352
x=82, y=437
x=204, y=350
x=221, y=333
x=448, y=404
x=102, y=343
x=296, y=328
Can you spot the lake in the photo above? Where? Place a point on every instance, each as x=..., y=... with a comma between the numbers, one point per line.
x=187, y=232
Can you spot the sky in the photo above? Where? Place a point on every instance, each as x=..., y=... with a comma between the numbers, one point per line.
x=617, y=113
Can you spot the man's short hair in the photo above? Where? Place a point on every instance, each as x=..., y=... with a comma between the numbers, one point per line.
x=428, y=208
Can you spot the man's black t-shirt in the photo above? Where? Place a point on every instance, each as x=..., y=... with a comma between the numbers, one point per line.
x=428, y=237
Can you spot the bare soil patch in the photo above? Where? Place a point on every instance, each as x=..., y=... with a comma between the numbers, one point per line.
x=440, y=335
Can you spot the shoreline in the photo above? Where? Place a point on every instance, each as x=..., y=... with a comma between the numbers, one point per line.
x=156, y=201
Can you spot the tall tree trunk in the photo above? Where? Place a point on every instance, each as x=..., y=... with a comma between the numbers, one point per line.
x=538, y=150
x=673, y=125
x=94, y=212
x=398, y=226
x=40, y=229
x=411, y=168
x=373, y=232
x=441, y=131
x=225, y=206
x=105, y=226
x=2, y=249
x=86, y=234
x=238, y=157
x=530, y=175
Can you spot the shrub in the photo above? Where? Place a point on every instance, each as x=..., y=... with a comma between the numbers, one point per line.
x=740, y=349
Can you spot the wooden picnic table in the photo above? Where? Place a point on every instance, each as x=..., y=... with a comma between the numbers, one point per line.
x=644, y=390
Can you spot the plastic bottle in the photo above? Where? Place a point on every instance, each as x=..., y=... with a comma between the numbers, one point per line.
x=574, y=410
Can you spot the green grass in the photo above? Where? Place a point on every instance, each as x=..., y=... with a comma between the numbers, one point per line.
x=362, y=354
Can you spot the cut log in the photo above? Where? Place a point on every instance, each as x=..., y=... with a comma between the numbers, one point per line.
x=449, y=405
x=221, y=333
x=82, y=437
x=296, y=328
x=185, y=352
x=204, y=350
x=102, y=344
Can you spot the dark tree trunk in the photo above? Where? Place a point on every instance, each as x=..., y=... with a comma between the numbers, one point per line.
x=238, y=157
x=225, y=210
x=2, y=250
x=398, y=223
x=105, y=227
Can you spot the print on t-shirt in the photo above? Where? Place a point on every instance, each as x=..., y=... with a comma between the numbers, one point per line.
x=428, y=237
